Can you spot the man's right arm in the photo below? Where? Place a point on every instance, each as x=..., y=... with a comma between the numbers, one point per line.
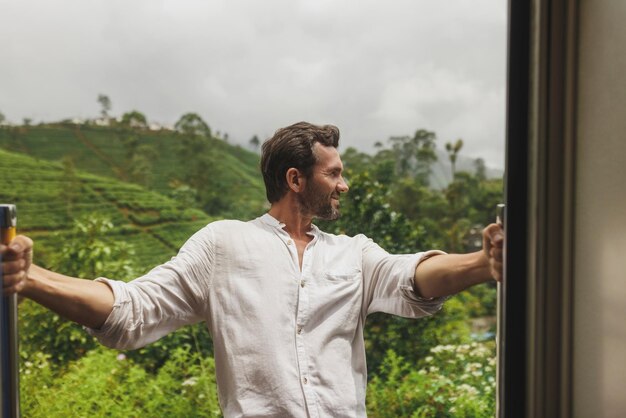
x=85, y=302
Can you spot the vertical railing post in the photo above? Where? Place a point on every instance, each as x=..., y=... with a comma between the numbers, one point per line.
x=9, y=356
x=500, y=328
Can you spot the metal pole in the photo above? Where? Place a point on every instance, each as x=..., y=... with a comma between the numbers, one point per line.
x=9, y=356
x=500, y=329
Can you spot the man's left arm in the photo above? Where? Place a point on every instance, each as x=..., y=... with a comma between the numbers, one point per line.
x=447, y=274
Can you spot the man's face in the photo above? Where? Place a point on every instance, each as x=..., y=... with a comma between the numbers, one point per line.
x=320, y=197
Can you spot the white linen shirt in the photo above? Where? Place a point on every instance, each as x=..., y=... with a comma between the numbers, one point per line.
x=288, y=342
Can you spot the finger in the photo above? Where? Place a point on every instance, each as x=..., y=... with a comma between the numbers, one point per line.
x=20, y=244
x=11, y=280
x=496, y=253
x=16, y=251
x=15, y=289
x=494, y=232
x=10, y=255
x=497, y=270
x=12, y=267
x=21, y=241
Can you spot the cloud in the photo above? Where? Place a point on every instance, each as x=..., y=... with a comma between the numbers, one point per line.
x=375, y=69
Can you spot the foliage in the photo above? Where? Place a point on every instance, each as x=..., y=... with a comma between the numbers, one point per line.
x=88, y=254
x=105, y=383
x=194, y=338
x=105, y=105
x=453, y=152
x=414, y=337
x=415, y=155
x=254, y=142
x=455, y=381
x=151, y=159
x=365, y=209
x=134, y=119
x=191, y=124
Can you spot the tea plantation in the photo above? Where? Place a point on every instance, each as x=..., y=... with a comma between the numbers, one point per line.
x=50, y=198
x=113, y=152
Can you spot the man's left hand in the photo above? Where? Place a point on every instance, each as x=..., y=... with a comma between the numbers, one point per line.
x=493, y=246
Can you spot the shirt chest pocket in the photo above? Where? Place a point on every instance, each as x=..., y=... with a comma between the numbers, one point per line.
x=341, y=277
x=337, y=299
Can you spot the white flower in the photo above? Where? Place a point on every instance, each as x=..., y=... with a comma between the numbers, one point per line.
x=429, y=359
x=191, y=381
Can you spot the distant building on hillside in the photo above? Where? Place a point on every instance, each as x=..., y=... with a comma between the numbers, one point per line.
x=104, y=121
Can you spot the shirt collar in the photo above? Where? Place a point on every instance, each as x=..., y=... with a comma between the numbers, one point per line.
x=269, y=220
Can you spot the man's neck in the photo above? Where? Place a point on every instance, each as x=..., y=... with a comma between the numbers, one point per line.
x=296, y=224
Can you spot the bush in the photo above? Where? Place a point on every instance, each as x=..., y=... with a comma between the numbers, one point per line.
x=105, y=383
x=456, y=381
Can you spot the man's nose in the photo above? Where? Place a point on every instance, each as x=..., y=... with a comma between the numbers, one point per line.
x=342, y=187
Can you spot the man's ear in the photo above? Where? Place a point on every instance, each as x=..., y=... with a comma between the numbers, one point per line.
x=295, y=180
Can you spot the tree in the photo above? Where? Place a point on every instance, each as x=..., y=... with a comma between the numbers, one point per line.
x=415, y=155
x=355, y=160
x=27, y=121
x=453, y=152
x=139, y=156
x=193, y=124
x=255, y=142
x=134, y=119
x=2, y=118
x=425, y=153
x=480, y=169
x=105, y=105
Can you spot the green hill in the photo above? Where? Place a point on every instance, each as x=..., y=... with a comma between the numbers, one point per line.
x=153, y=159
x=50, y=196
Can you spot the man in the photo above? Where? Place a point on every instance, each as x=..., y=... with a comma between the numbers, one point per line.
x=285, y=302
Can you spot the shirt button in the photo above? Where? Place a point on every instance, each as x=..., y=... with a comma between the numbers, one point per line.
x=302, y=283
x=299, y=330
x=305, y=380
x=289, y=242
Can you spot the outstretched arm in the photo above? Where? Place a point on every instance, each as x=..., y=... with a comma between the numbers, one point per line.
x=447, y=274
x=86, y=302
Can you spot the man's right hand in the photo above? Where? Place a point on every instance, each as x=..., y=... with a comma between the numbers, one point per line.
x=17, y=258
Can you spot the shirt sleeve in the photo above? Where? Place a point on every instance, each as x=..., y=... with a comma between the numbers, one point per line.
x=389, y=283
x=170, y=296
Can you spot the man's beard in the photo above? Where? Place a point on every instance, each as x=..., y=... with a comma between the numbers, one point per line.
x=314, y=202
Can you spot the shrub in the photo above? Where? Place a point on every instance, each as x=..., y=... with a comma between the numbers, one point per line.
x=104, y=383
x=453, y=381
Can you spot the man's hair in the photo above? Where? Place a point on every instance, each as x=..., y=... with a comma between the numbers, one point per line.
x=292, y=147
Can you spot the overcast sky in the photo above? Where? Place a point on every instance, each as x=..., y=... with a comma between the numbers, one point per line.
x=373, y=68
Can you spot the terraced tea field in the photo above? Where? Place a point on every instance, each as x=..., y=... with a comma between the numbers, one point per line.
x=50, y=198
x=100, y=151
